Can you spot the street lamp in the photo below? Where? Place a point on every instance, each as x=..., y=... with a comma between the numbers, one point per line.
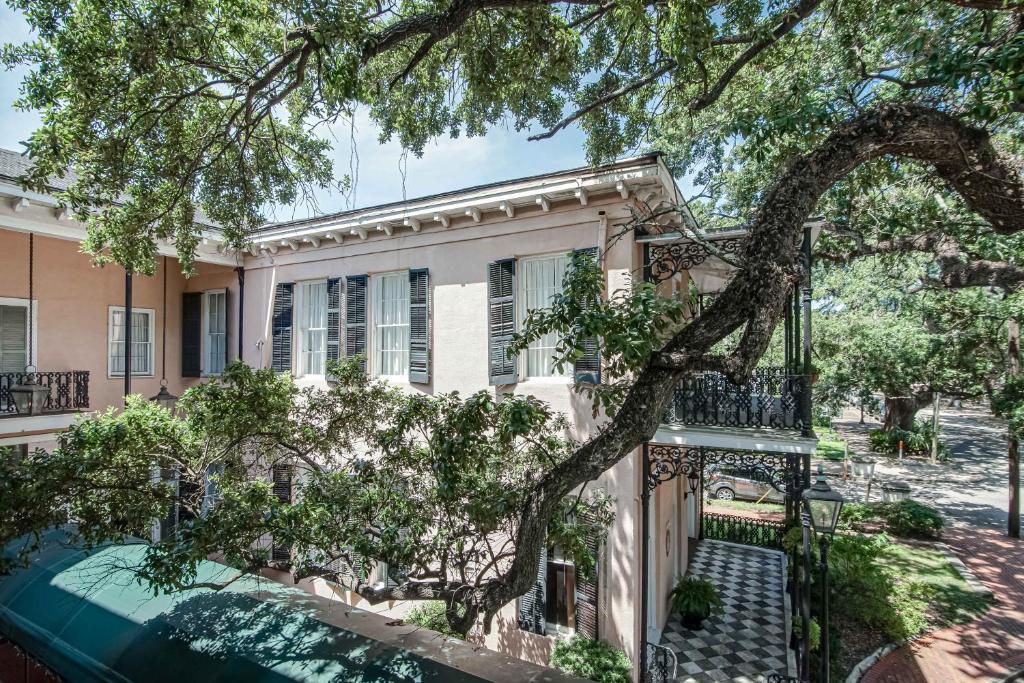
x=823, y=506
x=28, y=394
x=164, y=397
x=693, y=478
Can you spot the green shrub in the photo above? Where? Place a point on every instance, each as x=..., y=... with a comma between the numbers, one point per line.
x=910, y=518
x=695, y=596
x=916, y=440
x=856, y=515
x=591, y=659
x=901, y=518
x=431, y=615
x=866, y=591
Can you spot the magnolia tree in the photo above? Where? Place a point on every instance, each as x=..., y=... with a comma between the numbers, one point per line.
x=162, y=108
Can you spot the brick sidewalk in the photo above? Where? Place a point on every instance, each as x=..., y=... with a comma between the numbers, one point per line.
x=983, y=650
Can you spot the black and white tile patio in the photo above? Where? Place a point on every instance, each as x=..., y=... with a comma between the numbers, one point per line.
x=746, y=641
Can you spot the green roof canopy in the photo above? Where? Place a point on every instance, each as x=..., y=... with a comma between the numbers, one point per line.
x=86, y=616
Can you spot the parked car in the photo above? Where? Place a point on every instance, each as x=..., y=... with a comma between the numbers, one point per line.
x=728, y=483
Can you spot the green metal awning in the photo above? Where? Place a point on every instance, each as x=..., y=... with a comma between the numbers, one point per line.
x=87, y=617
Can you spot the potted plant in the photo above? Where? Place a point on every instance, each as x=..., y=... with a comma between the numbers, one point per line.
x=695, y=599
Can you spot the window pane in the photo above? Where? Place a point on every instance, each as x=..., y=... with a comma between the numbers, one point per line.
x=142, y=342
x=313, y=328
x=541, y=280
x=216, y=333
x=391, y=324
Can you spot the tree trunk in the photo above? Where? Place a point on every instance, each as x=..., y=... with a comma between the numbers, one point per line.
x=900, y=411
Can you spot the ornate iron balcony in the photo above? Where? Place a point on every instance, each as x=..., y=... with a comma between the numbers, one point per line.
x=68, y=391
x=772, y=398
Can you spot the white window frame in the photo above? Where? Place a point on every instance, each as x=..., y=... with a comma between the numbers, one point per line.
x=152, y=341
x=205, y=344
x=298, y=308
x=371, y=323
x=33, y=323
x=521, y=363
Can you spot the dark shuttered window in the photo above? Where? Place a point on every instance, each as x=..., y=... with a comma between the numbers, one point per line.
x=282, y=487
x=587, y=592
x=281, y=328
x=355, y=317
x=333, y=320
x=419, y=326
x=587, y=367
x=532, y=603
x=501, y=320
x=191, y=334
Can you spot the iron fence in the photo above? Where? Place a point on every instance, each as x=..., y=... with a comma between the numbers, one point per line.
x=764, y=533
x=68, y=390
x=771, y=398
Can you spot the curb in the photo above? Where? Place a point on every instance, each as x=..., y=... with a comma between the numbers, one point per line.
x=857, y=672
x=965, y=573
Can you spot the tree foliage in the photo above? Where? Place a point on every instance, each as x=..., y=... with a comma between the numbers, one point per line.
x=431, y=486
x=162, y=108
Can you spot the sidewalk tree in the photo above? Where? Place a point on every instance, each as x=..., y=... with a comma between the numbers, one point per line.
x=877, y=331
x=169, y=107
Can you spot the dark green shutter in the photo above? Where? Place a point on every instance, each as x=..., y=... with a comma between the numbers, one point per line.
x=501, y=320
x=587, y=368
x=355, y=317
x=281, y=328
x=532, y=603
x=282, y=488
x=333, y=320
x=191, y=334
x=419, y=326
x=587, y=589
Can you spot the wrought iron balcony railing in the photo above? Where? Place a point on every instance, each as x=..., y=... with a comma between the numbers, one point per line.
x=68, y=391
x=772, y=398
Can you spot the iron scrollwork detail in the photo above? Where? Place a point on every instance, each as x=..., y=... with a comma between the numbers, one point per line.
x=669, y=259
x=669, y=462
x=780, y=470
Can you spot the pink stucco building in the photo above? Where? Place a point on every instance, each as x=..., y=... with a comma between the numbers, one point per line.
x=428, y=289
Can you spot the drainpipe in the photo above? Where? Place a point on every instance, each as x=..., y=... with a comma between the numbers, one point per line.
x=645, y=523
x=241, y=306
x=807, y=333
x=127, y=334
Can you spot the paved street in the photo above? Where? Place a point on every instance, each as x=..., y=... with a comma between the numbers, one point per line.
x=970, y=489
x=971, y=493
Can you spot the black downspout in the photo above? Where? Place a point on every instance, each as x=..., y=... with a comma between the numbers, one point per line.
x=645, y=523
x=127, y=334
x=808, y=429
x=241, y=306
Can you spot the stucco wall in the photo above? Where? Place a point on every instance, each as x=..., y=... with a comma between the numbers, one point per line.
x=457, y=259
x=72, y=297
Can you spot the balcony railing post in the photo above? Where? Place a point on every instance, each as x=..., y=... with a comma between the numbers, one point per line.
x=807, y=369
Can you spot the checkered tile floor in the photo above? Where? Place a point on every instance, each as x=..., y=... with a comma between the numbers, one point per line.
x=746, y=641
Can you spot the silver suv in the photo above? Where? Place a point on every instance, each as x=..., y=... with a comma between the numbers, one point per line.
x=727, y=483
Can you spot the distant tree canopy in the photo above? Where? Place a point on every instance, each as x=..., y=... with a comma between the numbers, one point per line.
x=877, y=331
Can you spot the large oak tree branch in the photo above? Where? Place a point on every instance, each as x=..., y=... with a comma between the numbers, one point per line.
x=962, y=156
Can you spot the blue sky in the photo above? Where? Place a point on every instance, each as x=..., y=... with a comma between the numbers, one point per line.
x=446, y=164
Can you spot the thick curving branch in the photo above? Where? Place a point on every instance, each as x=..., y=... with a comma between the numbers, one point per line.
x=961, y=156
x=958, y=269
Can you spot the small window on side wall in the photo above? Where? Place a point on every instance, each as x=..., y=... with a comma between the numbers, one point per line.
x=215, y=342
x=142, y=341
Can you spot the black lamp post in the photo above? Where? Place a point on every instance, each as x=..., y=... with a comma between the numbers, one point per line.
x=28, y=395
x=164, y=397
x=693, y=479
x=823, y=506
